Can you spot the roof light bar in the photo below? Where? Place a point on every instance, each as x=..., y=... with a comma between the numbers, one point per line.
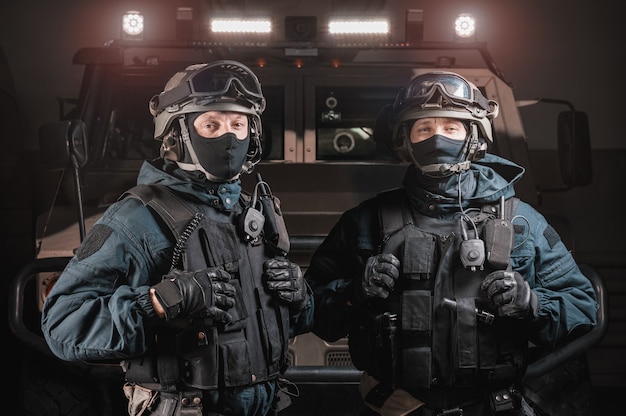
x=351, y=27
x=241, y=26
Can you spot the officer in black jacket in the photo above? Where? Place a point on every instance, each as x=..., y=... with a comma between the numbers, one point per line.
x=441, y=283
x=173, y=279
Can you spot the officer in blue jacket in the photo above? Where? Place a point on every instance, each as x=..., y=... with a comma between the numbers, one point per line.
x=441, y=283
x=179, y=278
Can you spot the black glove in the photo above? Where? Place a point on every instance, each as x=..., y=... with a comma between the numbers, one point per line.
x=205, y=293
x=379, y=278
x=511, y=294
x=284, y=278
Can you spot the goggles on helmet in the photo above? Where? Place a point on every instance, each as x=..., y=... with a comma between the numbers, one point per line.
x=214, y=80
x=438, y=94
x=451, y=87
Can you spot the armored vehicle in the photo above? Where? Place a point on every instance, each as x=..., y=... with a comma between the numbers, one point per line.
x=324, y=89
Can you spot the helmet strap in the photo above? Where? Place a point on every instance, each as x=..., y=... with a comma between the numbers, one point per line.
x=184, y=132
x=255, y=150
x=443, y=169
x=474, y=149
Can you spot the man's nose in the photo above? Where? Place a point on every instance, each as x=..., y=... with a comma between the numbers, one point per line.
x=223, y=129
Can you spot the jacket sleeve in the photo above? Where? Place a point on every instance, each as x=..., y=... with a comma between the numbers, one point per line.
x=337, y=262
x=99, y=306
x=301, y=321
x=566, y=299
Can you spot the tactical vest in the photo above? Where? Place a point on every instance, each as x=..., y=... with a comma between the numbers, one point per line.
x=437, y=327
x=196, y=352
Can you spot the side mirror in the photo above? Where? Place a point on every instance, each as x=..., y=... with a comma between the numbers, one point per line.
x=62, y=142
x=574, y=148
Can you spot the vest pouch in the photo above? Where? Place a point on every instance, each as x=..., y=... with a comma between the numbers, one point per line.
x=417, y=311
x=238, y=311
x=509, y=360
x=464, y=352
x=272, y=336
x=220, y=247
x=418, y=259
x=140, y=370
x=485, y=352
x=416, y=320
x=198, y=352
x=235, y=357
x=488, y=344
x=417, y=373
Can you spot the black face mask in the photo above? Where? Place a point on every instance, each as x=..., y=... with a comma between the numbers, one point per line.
x=222, y=156
x=438, y=149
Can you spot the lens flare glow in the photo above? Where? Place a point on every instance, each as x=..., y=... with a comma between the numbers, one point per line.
x=465, y=26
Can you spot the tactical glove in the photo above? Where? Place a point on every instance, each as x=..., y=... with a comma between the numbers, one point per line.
x=511, y=294
x=379, y=278
x=284, y=278
x=204, y=293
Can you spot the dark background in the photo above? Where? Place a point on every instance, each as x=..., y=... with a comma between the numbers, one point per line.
x=566, y=49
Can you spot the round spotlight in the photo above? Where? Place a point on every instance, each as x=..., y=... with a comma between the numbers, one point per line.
x=132, y=23
x=465, y=26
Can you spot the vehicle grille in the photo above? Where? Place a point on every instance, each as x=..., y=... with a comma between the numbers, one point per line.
x=338, y=359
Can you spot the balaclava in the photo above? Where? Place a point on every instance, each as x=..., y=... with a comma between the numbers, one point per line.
x=223, y=157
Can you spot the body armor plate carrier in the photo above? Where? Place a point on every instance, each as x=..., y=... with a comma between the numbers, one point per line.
x=438, y=328
x=196, y=353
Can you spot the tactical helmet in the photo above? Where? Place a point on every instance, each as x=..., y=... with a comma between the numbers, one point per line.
x=437, y=94
x=217, y=86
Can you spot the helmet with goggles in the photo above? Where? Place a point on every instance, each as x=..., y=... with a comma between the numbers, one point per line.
x=438, y=94
x=217, y=86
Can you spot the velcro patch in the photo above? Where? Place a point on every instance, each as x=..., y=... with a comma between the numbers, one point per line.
x=551, y=235
x=519, y=228
x=94, y=241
